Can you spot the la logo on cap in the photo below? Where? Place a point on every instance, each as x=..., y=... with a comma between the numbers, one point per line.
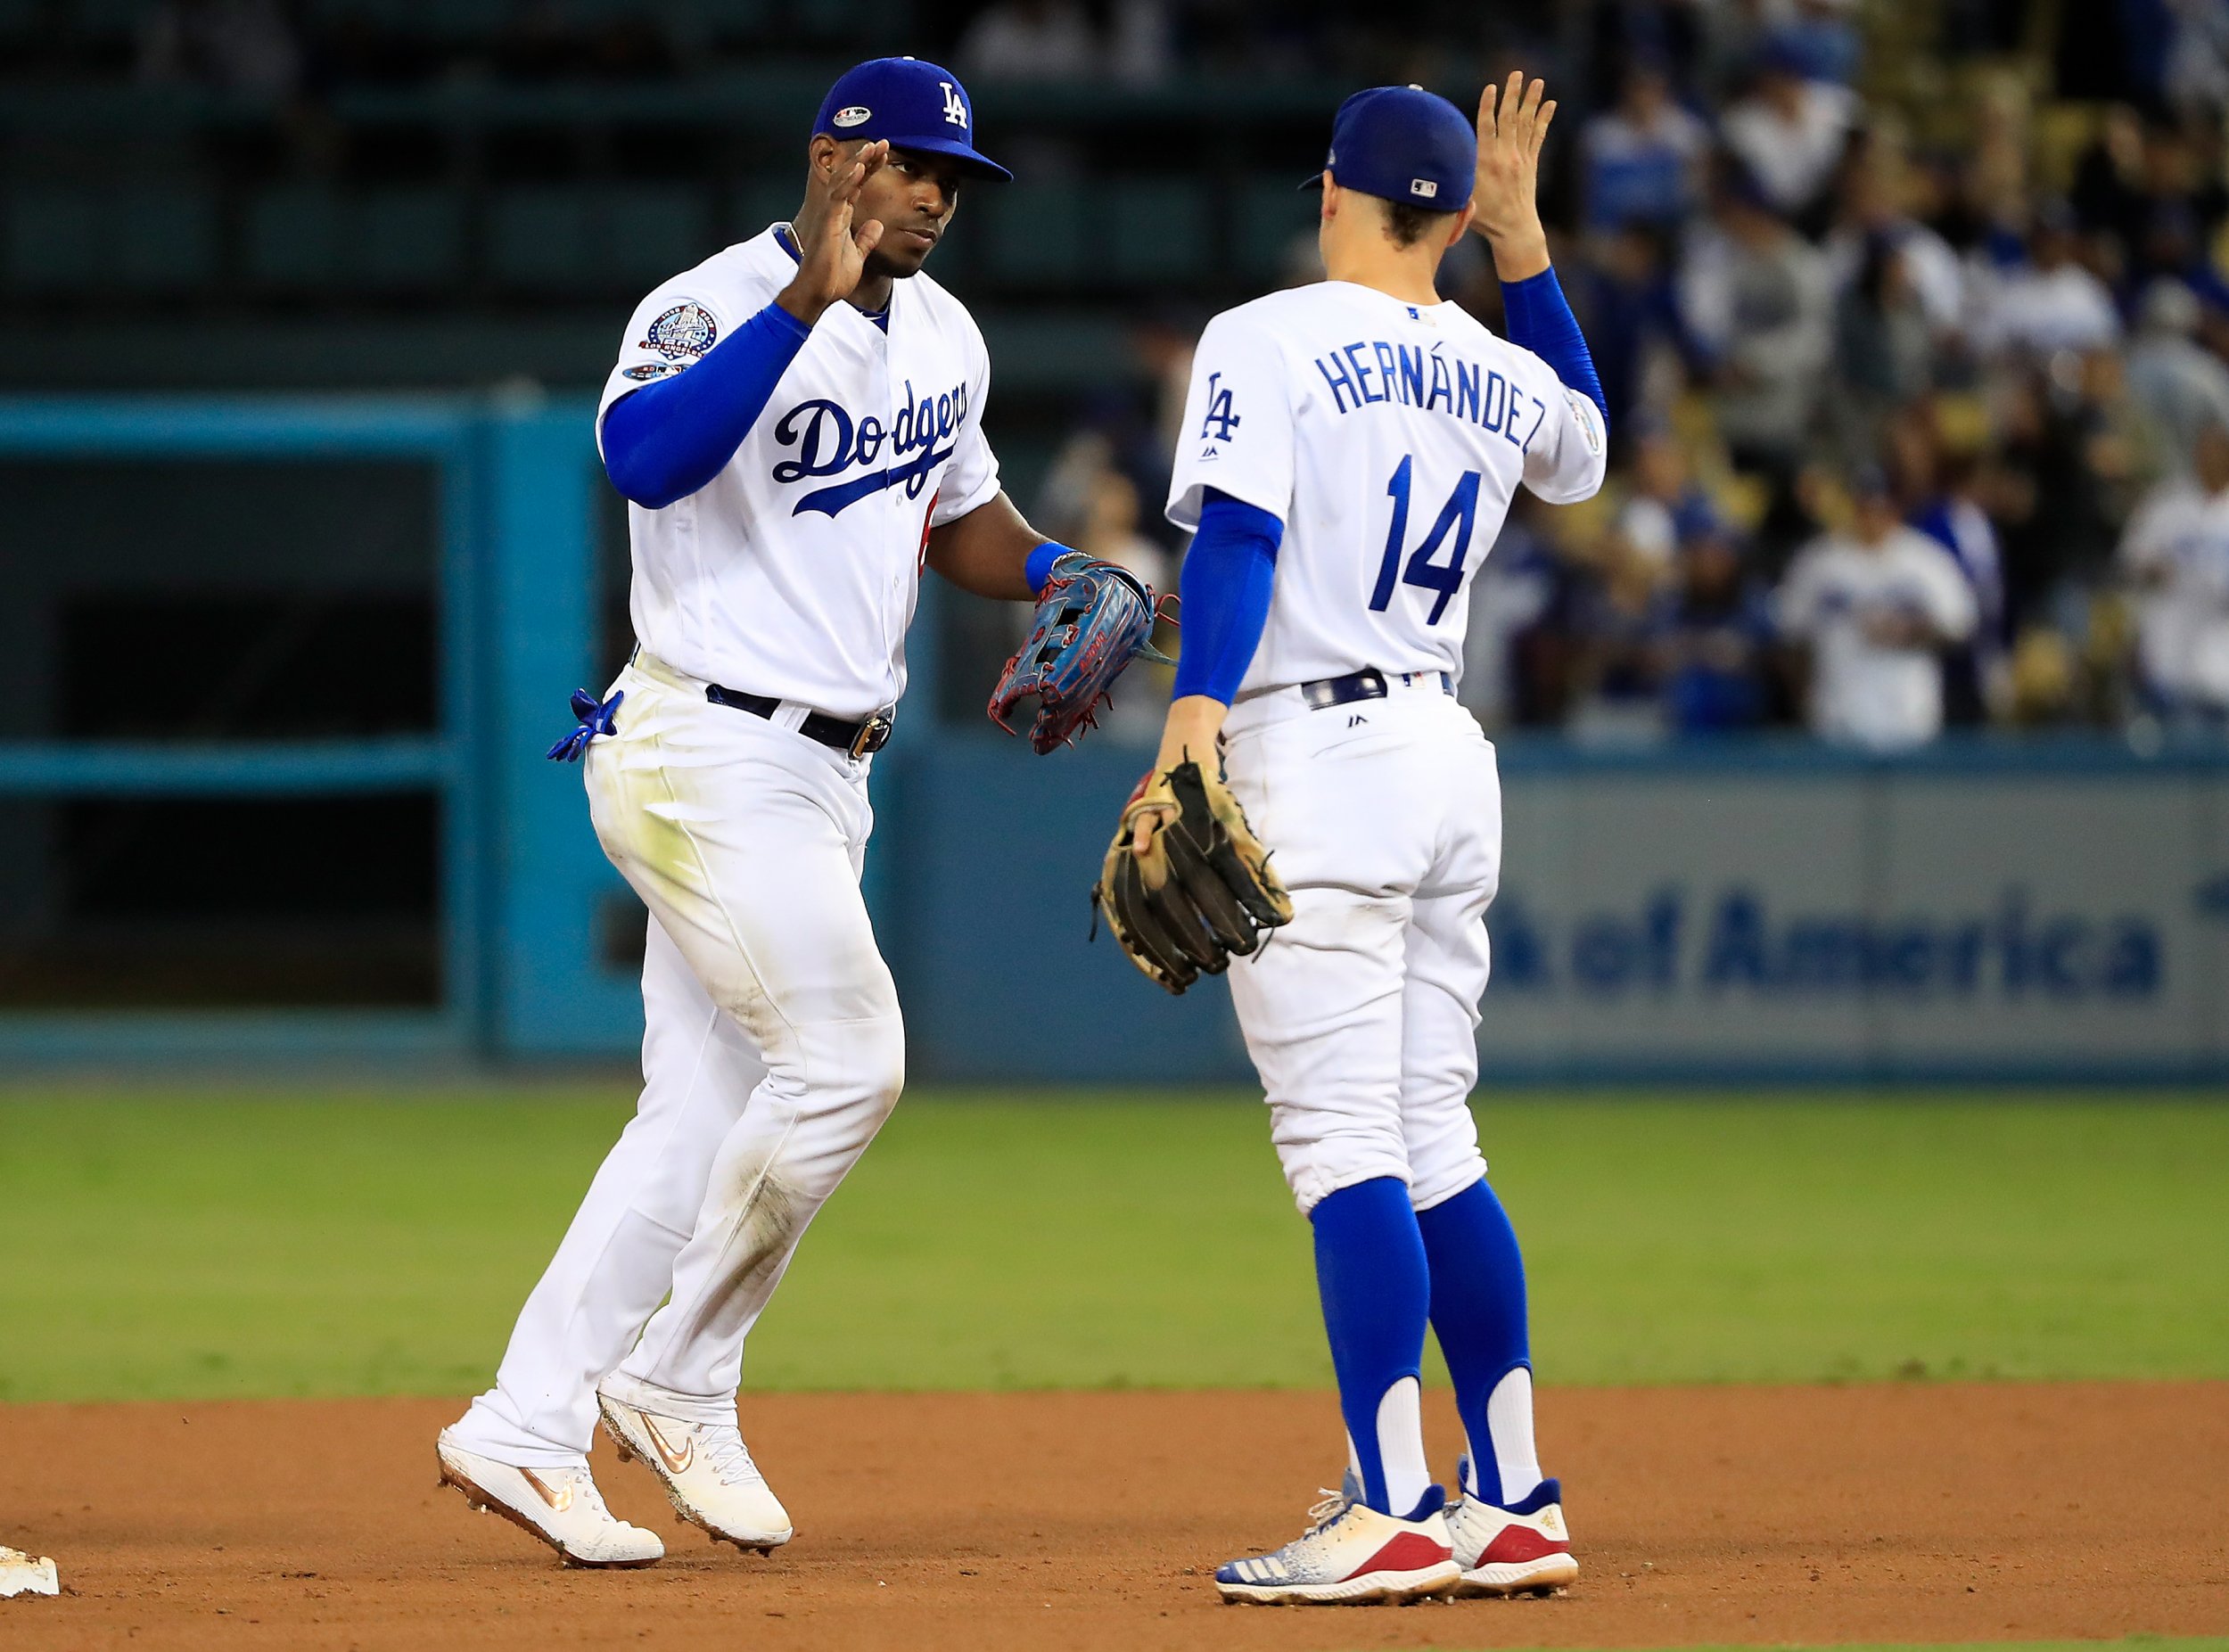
x=853, y=115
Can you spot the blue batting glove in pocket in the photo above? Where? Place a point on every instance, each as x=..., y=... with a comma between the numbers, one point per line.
x=596, y=719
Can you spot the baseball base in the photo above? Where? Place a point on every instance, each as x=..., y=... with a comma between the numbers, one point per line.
x=21, y=1574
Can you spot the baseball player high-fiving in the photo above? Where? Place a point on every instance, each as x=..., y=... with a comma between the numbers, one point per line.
x=798, y=425
x=1347, y=456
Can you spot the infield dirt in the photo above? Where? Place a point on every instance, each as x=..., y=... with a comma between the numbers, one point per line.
x=1910, y=1513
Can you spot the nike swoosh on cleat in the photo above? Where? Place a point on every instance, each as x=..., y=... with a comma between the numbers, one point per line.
x=560, y=1499
x=675, y=1462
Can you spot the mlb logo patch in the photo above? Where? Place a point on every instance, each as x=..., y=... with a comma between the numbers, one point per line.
x=1423, y=186
x=854, y=115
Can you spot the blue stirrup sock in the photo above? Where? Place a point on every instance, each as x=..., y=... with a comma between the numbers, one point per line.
x=1371, y=1272
x=1477, y=1293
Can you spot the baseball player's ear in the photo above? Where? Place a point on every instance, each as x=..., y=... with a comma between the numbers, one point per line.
x=1462, y=223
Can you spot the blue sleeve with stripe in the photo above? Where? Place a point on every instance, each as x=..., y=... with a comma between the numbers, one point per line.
x=669, y=438
x=1226, y=582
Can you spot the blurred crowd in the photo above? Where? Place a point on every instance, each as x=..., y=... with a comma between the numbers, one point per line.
x=1911, y=314
x=1916, y=432
x=1921, y=409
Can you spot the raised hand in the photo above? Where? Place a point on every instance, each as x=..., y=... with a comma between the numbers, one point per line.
x=1512, y=126
x=832, y=255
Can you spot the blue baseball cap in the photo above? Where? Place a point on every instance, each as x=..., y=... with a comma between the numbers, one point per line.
x=1404, y=143
x=911, y=104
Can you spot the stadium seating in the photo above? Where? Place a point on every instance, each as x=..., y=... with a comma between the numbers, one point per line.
x=1031, y=234
x=134, y=238
x=1271, y=214
x=406, y=239
x=1160, y=230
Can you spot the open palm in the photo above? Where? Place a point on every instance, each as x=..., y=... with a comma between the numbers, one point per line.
x=1513, y=123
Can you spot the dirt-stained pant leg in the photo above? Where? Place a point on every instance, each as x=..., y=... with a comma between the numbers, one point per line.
x=616, y=1261
x=746, y=841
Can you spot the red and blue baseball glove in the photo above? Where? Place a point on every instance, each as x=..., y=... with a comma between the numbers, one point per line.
x=1093, y=618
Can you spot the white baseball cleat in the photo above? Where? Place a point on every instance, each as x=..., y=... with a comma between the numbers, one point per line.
x=706, y=1470
x=1524, y=1550
x=1351, y=1556
x=560, y=1506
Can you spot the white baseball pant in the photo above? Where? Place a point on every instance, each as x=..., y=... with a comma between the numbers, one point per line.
x=772, y=1052
x=1362, y=1015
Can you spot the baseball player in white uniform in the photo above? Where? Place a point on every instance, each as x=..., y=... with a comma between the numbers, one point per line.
x=1348, y=454
x=797, y=422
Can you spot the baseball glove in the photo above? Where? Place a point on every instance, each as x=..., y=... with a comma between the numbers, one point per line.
x=1093, y=619
x=1202, y=892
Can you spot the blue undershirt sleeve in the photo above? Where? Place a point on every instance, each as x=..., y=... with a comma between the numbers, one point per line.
x=1539, y=317
x=669, y=438
x=1226, y=582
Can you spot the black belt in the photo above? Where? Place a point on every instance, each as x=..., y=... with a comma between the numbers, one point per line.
x=854, y=739
x=1366, y=684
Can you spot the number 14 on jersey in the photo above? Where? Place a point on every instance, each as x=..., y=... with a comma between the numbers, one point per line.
x=1457, y=517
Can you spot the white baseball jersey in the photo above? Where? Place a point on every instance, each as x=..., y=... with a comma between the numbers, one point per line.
x=1862, y=690
x=796, y=570
x=1389, y=437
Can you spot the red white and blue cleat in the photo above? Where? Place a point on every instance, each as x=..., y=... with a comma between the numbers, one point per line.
x=1522, y=1550
x=1352, y=1555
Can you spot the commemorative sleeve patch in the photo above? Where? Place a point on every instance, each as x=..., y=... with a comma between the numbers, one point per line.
x=685, y=330
x=1590, y=417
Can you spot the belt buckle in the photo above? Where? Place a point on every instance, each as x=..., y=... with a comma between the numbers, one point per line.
x=872, y=736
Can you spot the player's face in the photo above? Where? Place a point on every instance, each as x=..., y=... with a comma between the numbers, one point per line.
x=912, y=197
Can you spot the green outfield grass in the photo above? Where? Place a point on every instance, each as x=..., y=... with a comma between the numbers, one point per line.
x=193, y=1243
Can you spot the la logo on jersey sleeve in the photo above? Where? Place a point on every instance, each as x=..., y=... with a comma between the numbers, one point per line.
x=1220, y=419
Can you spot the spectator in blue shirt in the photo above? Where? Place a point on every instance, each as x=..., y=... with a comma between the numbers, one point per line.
x=1641, y=157
x=1633, y=317
x=1974, y=671
x=1824, y=41
x=1713, y=638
